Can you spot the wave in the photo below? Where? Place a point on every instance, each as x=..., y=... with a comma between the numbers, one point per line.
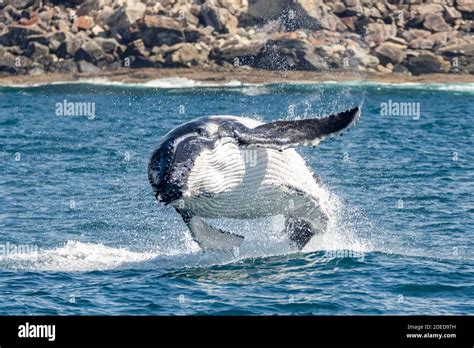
x=75, y=256
x=263, y=238
x=251, y=89
x=164, y=83
x=429, y=86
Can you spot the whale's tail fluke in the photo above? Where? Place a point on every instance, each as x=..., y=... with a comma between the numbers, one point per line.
x=309, y=132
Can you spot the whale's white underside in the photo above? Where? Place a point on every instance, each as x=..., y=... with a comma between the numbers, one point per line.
x=245, y=183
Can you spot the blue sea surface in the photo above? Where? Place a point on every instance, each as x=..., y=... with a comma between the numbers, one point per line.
x=82, y=234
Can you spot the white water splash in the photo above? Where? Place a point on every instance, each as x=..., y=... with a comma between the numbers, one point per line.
x=253, y=89
x=263, y=238
x=75, y=256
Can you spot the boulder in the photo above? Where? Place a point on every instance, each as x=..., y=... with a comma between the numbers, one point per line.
x=161, y=30
x=376, y=33
x=439, y=39
x=12, y=63
x=397, y=40
x=451, y=14
x=86, y=67
x=236, y=7
x=466, y=26
x=359, y=56
x=21, y=4
x=310, y=60
x=43, y=59
x=465, y=6
x=185, y=55
x=470, y=68
x=422, y=43
x=8, y=63
x=337, y=7
x=69, y=44
x=384, y=70
x=350, y=22
x=371, y=12
x=353, y=7
x=219, y=18
x=466, y=49
x=87, y=7
x=54, y=40
x=315, y=14
x=390, y=53
x=42, y=39
x=36, y=50
x=125, y=16
x=413, y=34
x=104, y=15
x=97, y=30
x=84, y=22
x=435, y=22
x=36, y=70
x=46, y=14
x=64, y=66
x=384, y=8
x=427, y=63
x=426, y=9
x=110, y=46
x=17, y=35
x=193, y=34
x=90, y=51
x=186, y=13
x=137, y=48
x=30, y=20
x=147, y=62
x=239, y=47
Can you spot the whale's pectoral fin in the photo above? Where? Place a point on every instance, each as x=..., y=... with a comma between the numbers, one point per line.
x=309, y=132
x=208, y=237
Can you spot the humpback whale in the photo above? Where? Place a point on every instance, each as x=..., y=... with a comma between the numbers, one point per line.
x=240, y=168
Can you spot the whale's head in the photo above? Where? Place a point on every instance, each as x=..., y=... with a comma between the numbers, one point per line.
x=171, y=162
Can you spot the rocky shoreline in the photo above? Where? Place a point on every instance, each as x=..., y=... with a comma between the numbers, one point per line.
x=223, y=38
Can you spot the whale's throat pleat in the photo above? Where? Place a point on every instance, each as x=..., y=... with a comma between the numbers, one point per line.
x=228, y=181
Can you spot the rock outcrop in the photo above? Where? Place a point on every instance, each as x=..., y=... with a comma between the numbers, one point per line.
x=379, y=36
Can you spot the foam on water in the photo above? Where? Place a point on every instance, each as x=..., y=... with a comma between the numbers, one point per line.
x=430, y=86
x=164, y=83
x=252, y=89
x=263, y=238
x=75, y=256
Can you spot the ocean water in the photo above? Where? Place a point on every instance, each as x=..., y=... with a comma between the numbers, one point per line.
x=81, y=233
